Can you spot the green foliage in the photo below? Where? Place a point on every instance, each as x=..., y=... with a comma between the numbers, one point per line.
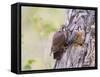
x=44, y=20
x=30, y=61
x=48, y=28
x=28, y=65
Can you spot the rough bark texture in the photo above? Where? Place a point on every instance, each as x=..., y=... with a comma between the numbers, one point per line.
x=80, y=51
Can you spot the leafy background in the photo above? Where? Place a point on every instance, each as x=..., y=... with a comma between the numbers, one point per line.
x=38, y=27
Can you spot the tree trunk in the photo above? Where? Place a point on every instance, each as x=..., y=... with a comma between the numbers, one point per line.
x=80, y=51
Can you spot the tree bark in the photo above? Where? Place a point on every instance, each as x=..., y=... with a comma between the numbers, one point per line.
x=80, y=51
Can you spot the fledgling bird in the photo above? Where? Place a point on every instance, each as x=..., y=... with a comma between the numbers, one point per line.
x=80, y=37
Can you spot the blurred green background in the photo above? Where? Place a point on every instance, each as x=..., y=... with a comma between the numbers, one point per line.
x=38, y=27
